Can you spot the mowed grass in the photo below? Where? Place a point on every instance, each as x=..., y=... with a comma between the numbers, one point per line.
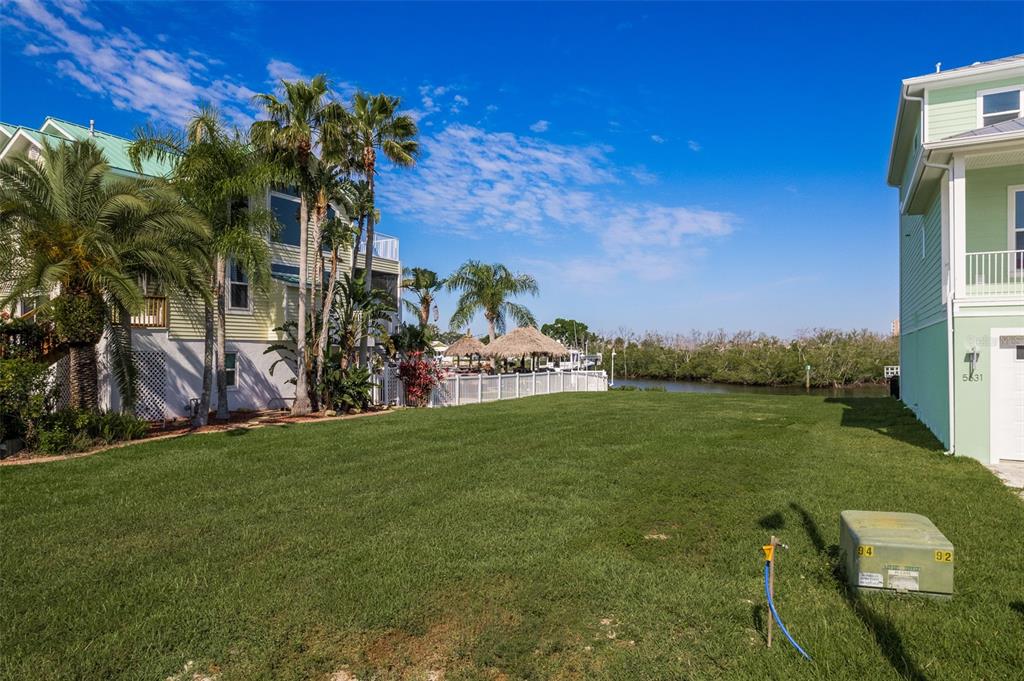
x=506, y=541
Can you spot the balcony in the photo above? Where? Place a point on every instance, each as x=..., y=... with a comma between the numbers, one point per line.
x=994, y=274
x=384, y=246
x=153, y=314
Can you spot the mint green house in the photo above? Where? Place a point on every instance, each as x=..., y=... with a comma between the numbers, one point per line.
x=958, y=160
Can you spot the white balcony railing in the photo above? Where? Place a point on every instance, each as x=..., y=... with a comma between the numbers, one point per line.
x=994, y=274
x=384, y=246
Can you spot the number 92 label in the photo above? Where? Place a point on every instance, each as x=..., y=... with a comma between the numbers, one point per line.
x=944, y=556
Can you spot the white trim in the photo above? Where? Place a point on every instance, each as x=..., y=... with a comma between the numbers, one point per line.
x=979, y=102
x=1010, y=308
x=234, y=386
x=1011, y=215
x=959, y=224
x=50, y=121
x=10, y=143
x=229, y=283
x=970, y=73
x=1000, y=385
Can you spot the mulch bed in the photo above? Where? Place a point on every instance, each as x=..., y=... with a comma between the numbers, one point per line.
x=181, y=427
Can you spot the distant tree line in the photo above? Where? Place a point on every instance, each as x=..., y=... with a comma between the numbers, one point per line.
x=836, y=357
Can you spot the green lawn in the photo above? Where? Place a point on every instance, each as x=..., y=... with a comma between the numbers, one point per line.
x=505, y=541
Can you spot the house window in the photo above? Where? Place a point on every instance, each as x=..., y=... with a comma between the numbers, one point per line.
x=231, y=368
x=285, y=208
x=26, y=305
x=999, y=106
x=238, y=287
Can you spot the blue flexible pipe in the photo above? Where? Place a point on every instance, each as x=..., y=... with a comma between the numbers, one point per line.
x=771, y=606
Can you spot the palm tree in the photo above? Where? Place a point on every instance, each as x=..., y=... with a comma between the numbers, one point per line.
x=337, y=234
x=75, y=230
x=487, y=288
x=216, y=172
x=375, y=124
x=360, y=313
x=362, y=206
x=424, y=284
x=304, y=121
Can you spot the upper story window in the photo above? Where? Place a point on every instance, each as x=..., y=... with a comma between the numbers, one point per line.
x=284, y=204
x=238, y=287
x=997, y=106
x=285, y=208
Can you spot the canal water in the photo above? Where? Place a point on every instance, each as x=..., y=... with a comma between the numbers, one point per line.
x=730, y=389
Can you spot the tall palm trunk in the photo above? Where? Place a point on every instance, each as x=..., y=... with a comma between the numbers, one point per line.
x=355, y=246
x=222, y=375
x=369, y=161
x=209, y=340
x=491, y=336
x=82, y=376
x=325, y=317
x=301, y=405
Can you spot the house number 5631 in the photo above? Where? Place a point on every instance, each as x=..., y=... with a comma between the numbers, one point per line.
x=976, y=378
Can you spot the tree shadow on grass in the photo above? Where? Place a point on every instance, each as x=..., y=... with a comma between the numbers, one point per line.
x=1018, y=607
x=888, y=417
x=887, y=636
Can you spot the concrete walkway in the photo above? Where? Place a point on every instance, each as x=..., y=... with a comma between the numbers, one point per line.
x=1011, y=473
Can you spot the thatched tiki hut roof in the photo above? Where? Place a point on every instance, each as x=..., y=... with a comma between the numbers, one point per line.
x=524, y=341
x=467, y=346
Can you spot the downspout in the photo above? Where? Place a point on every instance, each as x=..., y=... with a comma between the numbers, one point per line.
x=950, y=279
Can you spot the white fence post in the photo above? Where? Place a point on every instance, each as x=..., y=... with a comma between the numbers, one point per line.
x=447, y=394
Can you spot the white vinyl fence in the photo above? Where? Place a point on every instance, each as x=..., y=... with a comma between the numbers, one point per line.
x=458, y=389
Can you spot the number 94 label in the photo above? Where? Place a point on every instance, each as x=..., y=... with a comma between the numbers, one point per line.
x=865, y=550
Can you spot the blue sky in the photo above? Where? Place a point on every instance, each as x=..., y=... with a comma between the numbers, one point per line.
x=656, y=166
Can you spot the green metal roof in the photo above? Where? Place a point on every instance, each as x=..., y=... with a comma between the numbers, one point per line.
x=114, y=147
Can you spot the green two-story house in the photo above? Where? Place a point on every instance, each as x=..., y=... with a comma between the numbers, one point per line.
x=957, y=158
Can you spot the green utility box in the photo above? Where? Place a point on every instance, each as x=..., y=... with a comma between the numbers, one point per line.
x=895, y=552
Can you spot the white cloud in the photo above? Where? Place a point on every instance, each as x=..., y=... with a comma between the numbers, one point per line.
x=540, y=126
x=694, y=145
x=431, y=97
x=472, y=181
x=161, y=83
x=657, y=139
x=282, y=70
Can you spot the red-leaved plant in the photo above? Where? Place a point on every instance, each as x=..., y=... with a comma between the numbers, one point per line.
x=420, y=377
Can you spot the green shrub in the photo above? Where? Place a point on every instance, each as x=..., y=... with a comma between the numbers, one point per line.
x=71, y=430
x=350, y=389
x=24, y=396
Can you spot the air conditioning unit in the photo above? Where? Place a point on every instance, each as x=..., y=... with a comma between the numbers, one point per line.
x=896, y=553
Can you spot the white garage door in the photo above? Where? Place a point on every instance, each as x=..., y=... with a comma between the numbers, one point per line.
x=1007, y=399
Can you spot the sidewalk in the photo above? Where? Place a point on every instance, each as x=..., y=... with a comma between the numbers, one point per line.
x=1011, y=473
